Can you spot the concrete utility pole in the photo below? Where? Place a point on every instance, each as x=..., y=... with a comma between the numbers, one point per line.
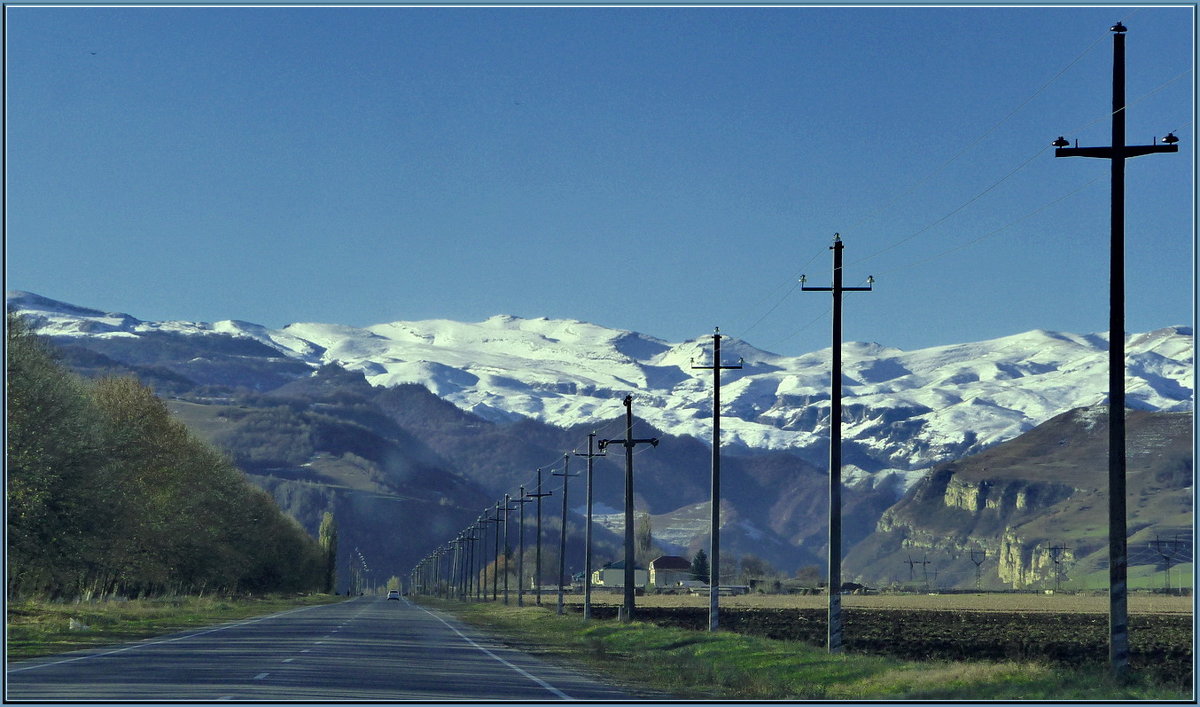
x=481, y=524
x=508, y=508
x=629, y=442
x=587, y=533
x=562, y=542
x=496, y=560
x=714, y=555
x=537, y=561
x=521, y=501
x=1118, y=152
x=834, y=638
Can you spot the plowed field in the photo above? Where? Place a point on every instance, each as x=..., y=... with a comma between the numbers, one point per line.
x=1161, y=643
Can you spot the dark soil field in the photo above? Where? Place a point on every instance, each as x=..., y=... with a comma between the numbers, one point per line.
x=1161, y=643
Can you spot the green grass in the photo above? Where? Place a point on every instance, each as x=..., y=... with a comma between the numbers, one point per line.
x=38, y=628
x=724, y=665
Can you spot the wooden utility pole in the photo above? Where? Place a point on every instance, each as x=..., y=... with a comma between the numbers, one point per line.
x=587, y=533
x=714, y=555
x=629, y=443
x=834, y=637
x=1117, y=153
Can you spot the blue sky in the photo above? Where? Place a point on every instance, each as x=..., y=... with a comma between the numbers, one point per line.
x=664, y=170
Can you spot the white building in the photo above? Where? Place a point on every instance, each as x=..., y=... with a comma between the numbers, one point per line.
x=614, y=576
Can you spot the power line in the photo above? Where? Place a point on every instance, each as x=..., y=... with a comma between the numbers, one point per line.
x=993, y=232
x=979, y=139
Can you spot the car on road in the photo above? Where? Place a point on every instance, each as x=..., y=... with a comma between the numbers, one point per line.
x=394, y=594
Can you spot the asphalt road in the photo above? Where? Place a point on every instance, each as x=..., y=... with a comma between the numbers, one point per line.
x=363, y=649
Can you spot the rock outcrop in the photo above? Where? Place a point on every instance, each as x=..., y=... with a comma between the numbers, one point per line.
x=1031, y=511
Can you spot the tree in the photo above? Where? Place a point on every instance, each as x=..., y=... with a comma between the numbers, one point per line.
x=810, y=575
x=643, y=540
x=327, y=537
x=700, y=566
x=755, y=567
x=54, y=444
x=109, y=494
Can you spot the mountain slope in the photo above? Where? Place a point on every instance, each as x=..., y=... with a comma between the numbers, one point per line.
x=903, y=410
x=1010, y=505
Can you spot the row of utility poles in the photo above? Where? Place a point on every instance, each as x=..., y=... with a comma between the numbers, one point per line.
x=458, y=581
x=457, y=570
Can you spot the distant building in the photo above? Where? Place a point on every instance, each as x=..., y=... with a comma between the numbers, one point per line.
x=670, y=571
x=613, y=575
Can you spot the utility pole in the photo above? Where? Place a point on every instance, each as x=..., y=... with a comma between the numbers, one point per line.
x=562, y=542
x=1056, y=557
x=834, y=637
x=537, y=563
x=714, y=555
x=1117, y=153
x=521, y=501
x=587, y=533
x=978, y=563
x=923, y=563
x=1168, y=554
x=481, y=524
x=629, y=442
x=455, y=552
x=496, y=560
x=508, y=508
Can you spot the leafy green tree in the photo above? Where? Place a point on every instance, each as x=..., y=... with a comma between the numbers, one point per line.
x=700, y=566
x=53, y=446
x=109, y=493
x=327, y=537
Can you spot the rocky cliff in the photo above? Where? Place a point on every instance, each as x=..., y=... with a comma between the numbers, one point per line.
x=1033, y=511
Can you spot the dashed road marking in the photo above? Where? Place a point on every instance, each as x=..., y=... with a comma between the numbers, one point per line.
x=552, y=689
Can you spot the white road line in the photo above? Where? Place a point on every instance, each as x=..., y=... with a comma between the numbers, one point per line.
x=559, y=693
x=169, y=640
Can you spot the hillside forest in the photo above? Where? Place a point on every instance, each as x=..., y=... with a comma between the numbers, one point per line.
x=109, y=495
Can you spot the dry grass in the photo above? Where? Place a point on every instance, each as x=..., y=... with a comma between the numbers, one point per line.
x=37, y=628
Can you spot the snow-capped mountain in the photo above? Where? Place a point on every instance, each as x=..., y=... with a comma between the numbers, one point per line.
x=904, y=410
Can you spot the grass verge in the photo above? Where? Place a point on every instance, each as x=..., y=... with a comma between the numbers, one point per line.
x=724, y=665
x=38, y=628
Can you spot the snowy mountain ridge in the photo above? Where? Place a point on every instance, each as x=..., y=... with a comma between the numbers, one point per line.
x=904, y=410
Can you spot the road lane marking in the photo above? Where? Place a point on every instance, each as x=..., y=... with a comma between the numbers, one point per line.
x=561, y=695
x=169, y=640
